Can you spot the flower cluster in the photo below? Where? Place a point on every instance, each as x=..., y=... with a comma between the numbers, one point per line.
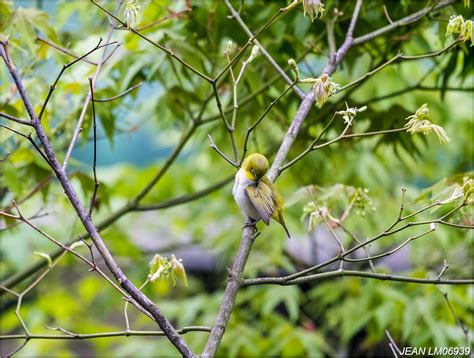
x=131, y=12
x=420, y=122
x=165, y=268
x=463, y=191
x=314, y=8
x=457, y=25
x=349, y=114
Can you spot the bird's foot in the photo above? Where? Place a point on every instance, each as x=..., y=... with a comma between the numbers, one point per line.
x=250, y=223
x=253, y=224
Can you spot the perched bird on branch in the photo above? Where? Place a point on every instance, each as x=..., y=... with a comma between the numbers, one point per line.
x=255, y=194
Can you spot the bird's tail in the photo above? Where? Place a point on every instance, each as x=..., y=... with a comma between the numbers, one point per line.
x=280, y=219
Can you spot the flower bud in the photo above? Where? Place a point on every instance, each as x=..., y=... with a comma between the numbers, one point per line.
x=228, y=48
x=294, y=67
x=321, y=89
x=253, y=54
x=178, y=269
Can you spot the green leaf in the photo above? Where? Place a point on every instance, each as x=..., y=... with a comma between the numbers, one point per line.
x=411, y=315
x=27, y=22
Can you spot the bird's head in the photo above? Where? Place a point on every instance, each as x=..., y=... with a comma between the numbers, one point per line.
x=255, y=166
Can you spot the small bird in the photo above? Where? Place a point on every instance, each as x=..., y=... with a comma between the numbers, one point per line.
x=255, y=194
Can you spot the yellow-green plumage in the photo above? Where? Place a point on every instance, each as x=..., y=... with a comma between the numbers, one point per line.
x=260, y=199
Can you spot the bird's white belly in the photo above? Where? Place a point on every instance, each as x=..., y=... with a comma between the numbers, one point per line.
x=240, y=196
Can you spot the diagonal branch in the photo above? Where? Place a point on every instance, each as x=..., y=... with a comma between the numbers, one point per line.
x=264, y=52
x=71, y=194
x=265, y=26
x=28, y=136
x=161, y=47
x=63, y=50
x=308, y=101
x=52, y=87
x=248, y=235
x=102, y=61
x=14, y=119
x=185, y=198
x=402, y=22
x=124, y=210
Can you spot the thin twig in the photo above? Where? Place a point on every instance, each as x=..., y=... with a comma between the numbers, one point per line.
x=163, y=19
x=94, y=161
x=126, y=333
x=52, y=87
x=230, y=128
x=161, y=47
x=102, y=60
x=385, y=11
x=28, y=136
x=365, y=247
x=71, y=194
x=265, y=26
x=390, y=252
x=227, y=159
x=281, y=72
x=185, y=198
x=248, y=99
x=458, y=320
x=63, y=50
x=285, y=281
x=393, y=346
x=15, y=119
x=402, y=22
x=334, y=235
x=257, y=122
x=119, y=95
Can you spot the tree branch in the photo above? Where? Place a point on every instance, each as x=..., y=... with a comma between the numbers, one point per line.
x=248, y=237
x=119, y=95
x=168, y=51
x=281, y=72
x=14, y=119
x=126, y=333
x=185, y=198
x=126, y=284
x=402, y=22
x=103, y=59
x=28, y=136
x=254, y=36
x=284, y=281
x=64, y=50
x=233, y=284
x=308, y=101
x=94, y=160
x=52, y=87
x=131, y=206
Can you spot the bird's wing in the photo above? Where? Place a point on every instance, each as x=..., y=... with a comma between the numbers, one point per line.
x=261, y=198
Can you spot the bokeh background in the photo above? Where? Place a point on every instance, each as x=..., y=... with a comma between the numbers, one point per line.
x=138, y=132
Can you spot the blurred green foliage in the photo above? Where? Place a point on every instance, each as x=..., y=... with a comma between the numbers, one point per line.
x=322, y=318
